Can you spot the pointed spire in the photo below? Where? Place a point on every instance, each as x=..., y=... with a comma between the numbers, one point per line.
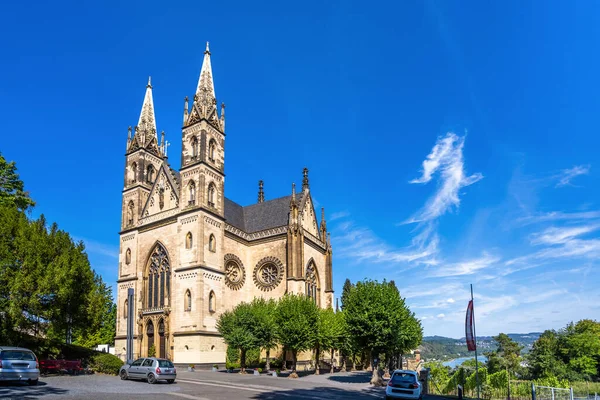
x=185, y=109
x=261, y=193
x=205, y=91
x=305, y=179
x=223, y=116
x=293, y=199
x=323, y=225
x=147, y=122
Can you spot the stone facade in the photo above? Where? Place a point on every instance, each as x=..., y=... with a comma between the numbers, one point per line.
x=190, y=253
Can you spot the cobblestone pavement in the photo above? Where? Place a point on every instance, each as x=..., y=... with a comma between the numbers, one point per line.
x=199, y=385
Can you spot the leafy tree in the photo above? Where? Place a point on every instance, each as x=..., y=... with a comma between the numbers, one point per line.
x=296, y=319
x=236, y=328
x=329, y=332
x=374, y=314
x=346, y=291
x=12, y=191
x=506, y=357
x=543, y=359
x=439, y=375
x=264, y=328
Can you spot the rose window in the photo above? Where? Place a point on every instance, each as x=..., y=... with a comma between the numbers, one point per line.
x=235, y=275
x=268, y=273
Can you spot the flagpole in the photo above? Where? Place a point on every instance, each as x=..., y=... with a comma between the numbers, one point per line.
x=475, y=338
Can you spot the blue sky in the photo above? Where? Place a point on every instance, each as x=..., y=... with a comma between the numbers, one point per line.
x=449, y=144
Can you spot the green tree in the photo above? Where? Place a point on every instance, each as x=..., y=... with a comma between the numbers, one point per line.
x=582, y=348
x=506, y=357
x=329, y=332
x=236, y=327
x=296, y=319
x=346, y=291
x=264, y=328
x=12, y=191
x=544, y=359
x=374, y=315
x=439, y=376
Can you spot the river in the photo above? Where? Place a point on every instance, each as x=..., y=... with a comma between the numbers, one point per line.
x=457, y=361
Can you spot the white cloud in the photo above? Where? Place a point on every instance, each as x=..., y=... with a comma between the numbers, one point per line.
x=466, y=267
x=450, y=300
x=559, y=216
x=447, y=158
x=339, y=215
x=566, y=175
x=440, y=316
x=560, y=235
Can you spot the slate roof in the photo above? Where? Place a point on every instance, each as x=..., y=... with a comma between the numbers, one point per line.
x=260, y=216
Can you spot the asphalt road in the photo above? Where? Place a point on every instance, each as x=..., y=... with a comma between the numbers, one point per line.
x=199, y=386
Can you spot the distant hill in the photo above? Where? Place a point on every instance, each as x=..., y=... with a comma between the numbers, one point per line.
x=445, y=348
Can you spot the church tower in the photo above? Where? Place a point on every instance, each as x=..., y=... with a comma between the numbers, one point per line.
x=202, y=166
x=144, y=156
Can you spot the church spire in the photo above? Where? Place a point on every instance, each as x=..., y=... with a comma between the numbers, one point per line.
x=147, y=121
x=261, y=192
x=305, y=179
x=205, y=99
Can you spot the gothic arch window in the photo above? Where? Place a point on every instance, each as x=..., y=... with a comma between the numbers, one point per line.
x=192, y=193
x=128, y=257
x=130, y=207
x=188, y=240
x=212, y=243
x=125, y=308
x=150, y=174
x=312, y=282
x=212, y=302
x=134, y=172
x=194, y=148
x=188, y=300
x=212, y=150
x=158, y=278
x=211, y=194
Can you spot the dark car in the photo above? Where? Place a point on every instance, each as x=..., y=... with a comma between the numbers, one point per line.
x=150, y=369
x=19, y=364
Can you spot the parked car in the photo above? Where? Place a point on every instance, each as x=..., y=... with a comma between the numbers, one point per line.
x=19, y=364
x=151, y=369
x=403, y=384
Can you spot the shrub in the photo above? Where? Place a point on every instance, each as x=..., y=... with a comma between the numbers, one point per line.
x=106, y=363
x=233, y=354
x=232, y=365
x=152, y=351
x=253, y=357
x=260, y=370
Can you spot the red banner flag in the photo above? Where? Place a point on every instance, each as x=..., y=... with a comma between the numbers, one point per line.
x=471, y=345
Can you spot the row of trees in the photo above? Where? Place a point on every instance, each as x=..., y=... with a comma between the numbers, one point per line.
x=47, y=287
x=374, y=322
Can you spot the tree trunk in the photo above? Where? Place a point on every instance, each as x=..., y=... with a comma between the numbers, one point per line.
x=344, y=358
x=317, y=352
x=284, y=364
x=268, y=363
x=332, y=367
x=353, y=363
x=375, y=378
x=294, y=374
x=243, y=361
x=370, y=360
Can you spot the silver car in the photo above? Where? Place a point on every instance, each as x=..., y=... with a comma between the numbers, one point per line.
x=150, y=369
x=19, y=364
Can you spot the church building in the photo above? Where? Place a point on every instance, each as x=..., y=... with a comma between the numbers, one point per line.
x=190, y=253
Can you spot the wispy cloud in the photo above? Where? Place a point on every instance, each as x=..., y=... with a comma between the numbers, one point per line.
x=447, y=158
x=466, y=267
x=558, y=216
x=560, y=235
x=339, y=215
x=566, y=175
x=94, y=247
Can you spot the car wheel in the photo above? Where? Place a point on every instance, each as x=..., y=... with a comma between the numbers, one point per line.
x=151, y=379
x=123, y=375
x=170, y=380
x=33, y=382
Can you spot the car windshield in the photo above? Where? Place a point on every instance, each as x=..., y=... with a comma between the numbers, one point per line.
x=17, y=355
x=403, y=378
x=165, y=364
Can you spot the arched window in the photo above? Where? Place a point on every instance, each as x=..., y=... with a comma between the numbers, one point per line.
x=150, y=174
x=188, y=300
x=159, y=278
x=128, y=257
x=211, y=150
x=212, y=302
x=312, y=282
x=130, y=213
x=134, y=172
x=192, y=194
x=194, y=148
x=211, y=195
x=212, y=243
x=188, y=240
x=125, y=308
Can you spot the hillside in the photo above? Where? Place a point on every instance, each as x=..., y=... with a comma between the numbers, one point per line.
x=445, y=348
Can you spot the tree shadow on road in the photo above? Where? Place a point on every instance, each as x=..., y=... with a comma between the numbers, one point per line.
x=323, y=393
x=21, y=390
x=354, y=377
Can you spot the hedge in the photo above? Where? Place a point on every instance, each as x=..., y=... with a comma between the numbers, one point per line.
x=106, y=363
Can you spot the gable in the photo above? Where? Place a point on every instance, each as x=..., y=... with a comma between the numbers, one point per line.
x=164, y=194
x=308, y=217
